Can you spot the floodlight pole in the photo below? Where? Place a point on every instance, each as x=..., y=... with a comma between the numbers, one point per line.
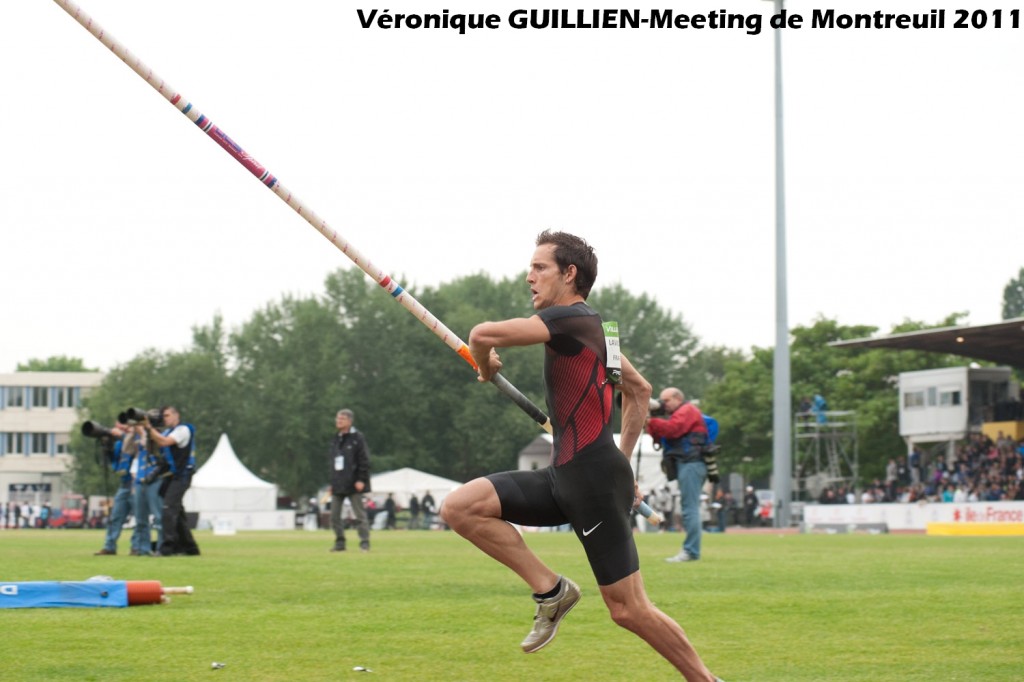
x=782, y=452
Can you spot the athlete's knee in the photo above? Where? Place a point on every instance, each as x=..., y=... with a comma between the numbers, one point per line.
x=625, y=615
x=471, y=501
x=627, y=608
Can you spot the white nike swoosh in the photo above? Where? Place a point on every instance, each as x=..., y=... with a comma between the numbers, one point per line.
x=588, y=532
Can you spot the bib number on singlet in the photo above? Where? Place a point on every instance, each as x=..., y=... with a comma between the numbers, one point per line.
x=611, y=344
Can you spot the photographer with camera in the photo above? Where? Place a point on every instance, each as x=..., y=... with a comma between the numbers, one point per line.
x=121, y=445
x=147, y=503
x=682, y=435
x=177, y=447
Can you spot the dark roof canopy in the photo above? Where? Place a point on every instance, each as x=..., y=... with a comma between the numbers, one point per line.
x=1002, y=343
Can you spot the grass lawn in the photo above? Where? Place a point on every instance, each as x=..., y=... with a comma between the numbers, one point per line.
x=428, y=606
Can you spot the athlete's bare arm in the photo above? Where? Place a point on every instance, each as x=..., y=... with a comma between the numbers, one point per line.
x=487, y=336
x=636, y=396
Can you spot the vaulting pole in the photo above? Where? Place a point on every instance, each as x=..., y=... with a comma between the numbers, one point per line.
x=263, y=175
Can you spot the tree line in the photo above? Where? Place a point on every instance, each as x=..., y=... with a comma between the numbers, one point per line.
x=275, y=383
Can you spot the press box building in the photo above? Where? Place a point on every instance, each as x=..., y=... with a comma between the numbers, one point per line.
x=943, y=406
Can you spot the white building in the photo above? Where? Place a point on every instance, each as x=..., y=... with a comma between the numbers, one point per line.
x=945, y=405
x=37, y=412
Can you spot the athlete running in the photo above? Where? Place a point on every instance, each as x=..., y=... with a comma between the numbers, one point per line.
x=589, y=484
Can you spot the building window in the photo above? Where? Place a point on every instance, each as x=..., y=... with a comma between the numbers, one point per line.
x=40, y=396
x=13, y=444
x=949, y=398
x=65, y=397
x=40, y=444
x=913, y=399
x=61, y=443
x=15, y=396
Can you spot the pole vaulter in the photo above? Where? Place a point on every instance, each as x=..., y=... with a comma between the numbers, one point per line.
x=264, y=176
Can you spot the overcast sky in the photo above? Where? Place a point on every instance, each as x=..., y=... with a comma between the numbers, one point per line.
x=440, y=155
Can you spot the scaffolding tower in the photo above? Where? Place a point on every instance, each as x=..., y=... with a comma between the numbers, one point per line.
x=825, y=451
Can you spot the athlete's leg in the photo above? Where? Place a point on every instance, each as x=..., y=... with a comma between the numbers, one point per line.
x=474, y=512
x=630, y=608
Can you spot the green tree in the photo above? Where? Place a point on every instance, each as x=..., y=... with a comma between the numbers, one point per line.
x=1013, y=297
x=742, y=404
x=707, y=367
x=56, y=363
x=291, y=361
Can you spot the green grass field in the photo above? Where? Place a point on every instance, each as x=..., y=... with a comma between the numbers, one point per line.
x=428, y=606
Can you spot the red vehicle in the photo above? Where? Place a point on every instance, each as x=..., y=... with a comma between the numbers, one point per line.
x=766, y=507
x=72, y=512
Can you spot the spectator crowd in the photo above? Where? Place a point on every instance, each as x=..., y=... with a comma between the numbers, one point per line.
x=983, y=471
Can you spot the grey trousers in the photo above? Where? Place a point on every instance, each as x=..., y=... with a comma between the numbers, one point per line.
x=338, y=524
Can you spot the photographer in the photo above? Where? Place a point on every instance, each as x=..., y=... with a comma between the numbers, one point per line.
x=177, y=446
x=125, y=447
x=147, y=503
x=682, y=435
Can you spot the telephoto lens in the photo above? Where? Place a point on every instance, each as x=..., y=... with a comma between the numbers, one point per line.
x=91, y=429
x=134, y=414
x=710, y=455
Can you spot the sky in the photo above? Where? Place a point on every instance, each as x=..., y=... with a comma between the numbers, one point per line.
x=439, y=155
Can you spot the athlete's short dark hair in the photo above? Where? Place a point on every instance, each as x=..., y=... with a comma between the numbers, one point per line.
x=572, y=250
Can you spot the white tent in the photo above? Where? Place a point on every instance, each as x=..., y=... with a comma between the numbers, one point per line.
x=225, y=490
x=405, y=482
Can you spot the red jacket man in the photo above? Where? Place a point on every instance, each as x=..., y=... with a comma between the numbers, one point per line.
x=684, y=419
x=682, y=435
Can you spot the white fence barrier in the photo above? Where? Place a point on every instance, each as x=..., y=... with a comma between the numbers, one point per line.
x=913, y=516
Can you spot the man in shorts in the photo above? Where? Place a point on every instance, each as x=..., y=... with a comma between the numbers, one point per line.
x=589, y=484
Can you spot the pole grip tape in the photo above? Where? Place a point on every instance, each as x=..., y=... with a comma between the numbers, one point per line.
x=524, y=403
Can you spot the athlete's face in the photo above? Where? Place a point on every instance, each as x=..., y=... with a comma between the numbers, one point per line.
x=548, y=286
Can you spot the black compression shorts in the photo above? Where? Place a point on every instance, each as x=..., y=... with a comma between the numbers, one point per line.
x=594, y=493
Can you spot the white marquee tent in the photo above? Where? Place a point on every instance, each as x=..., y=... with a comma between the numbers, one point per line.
x=403, y=483
x=225, y=491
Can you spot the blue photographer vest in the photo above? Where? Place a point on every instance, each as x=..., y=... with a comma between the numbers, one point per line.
x=181, y=460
